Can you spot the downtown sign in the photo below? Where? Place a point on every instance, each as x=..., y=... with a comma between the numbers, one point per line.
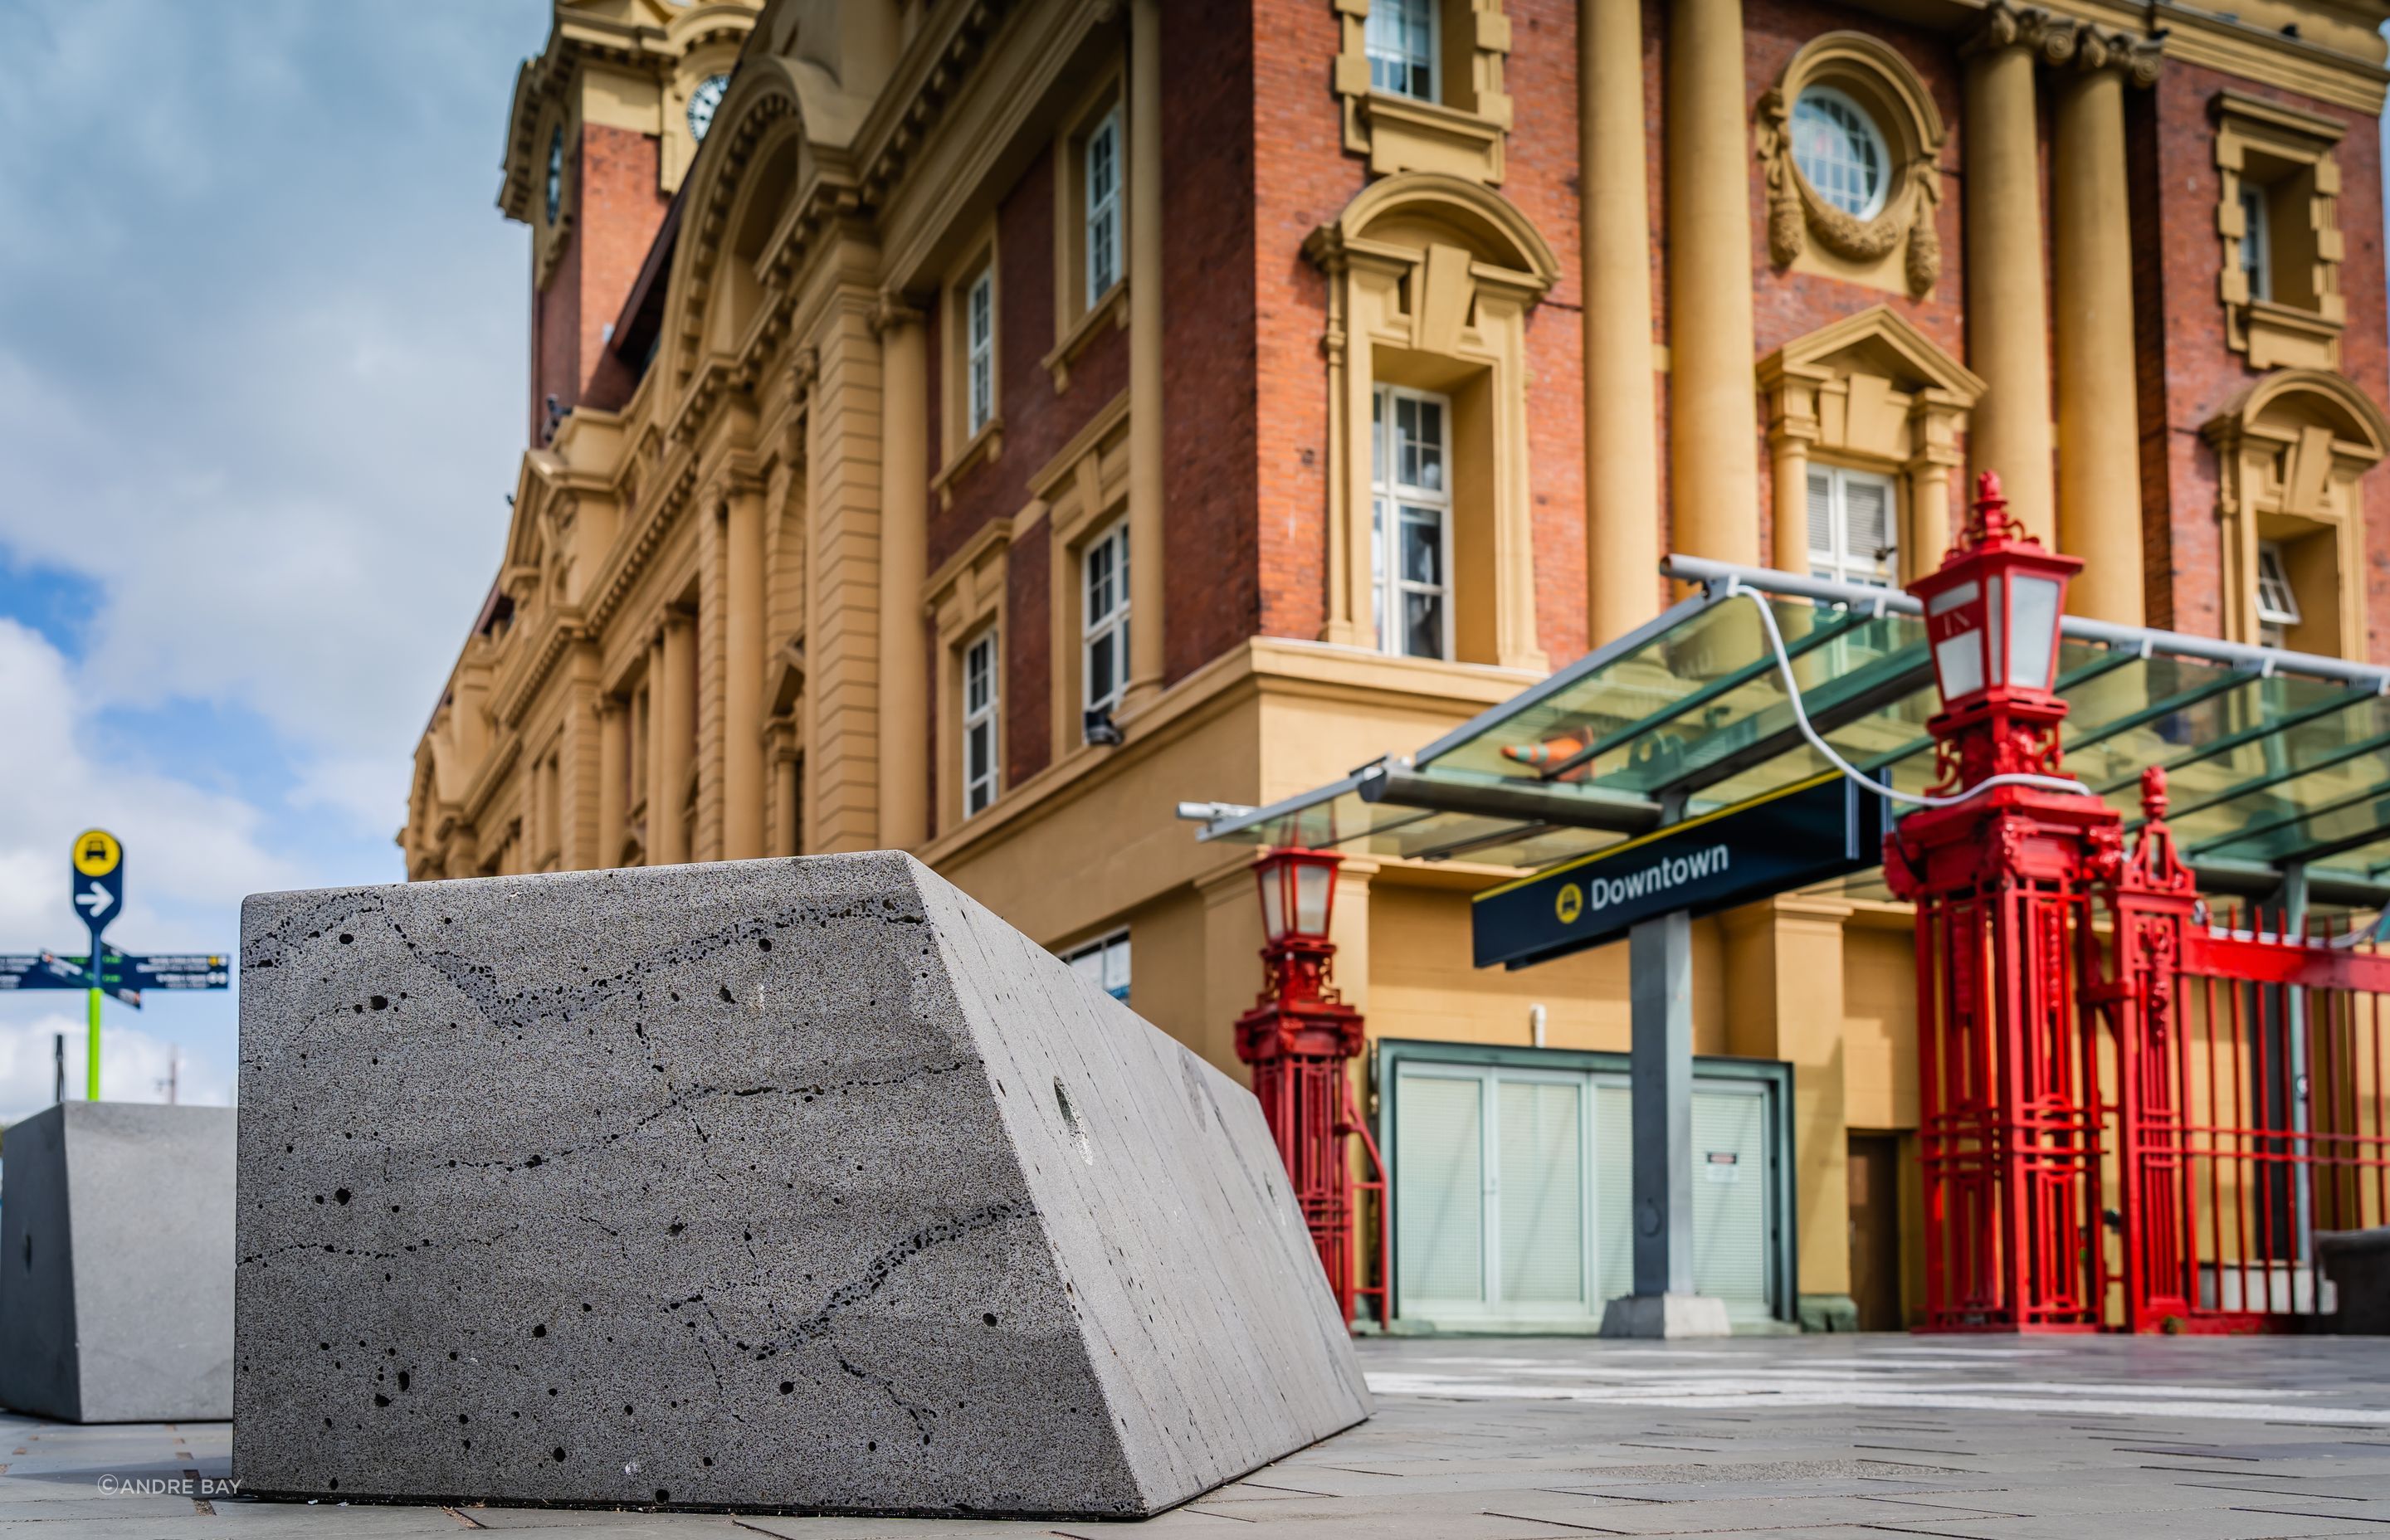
x=1811, y=831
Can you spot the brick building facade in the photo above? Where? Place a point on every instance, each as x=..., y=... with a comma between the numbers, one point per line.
x=978, y=425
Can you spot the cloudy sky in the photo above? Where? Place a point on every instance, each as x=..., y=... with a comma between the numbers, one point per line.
x=262, y=357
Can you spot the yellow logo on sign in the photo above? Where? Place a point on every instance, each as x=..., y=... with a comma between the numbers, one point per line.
x=97, y=852
x=1569, y=903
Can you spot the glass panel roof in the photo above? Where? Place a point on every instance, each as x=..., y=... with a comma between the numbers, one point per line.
x=2266, y=763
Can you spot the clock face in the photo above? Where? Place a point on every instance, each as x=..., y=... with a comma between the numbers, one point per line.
x=555, y=173
x=701, y=103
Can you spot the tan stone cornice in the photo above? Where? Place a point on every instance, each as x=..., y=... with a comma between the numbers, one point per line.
x=2060, y=39
x=560, y=626
x=494, y=770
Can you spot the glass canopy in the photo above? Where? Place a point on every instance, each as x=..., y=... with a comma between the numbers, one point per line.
x=2273, y=758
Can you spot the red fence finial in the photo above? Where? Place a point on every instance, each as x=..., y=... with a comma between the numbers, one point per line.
x=2154, y=792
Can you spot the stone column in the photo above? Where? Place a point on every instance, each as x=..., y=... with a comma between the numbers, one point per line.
x=676, y=726
x=743, y=674
x=2007, y=312
x=1784, y=1000
x=2099, y=427
x=785, y=833
x=613, y=765
x=903, y=567
x=1145, y=476
x=1713, y=409
x=654, y=724
x=1621, y=469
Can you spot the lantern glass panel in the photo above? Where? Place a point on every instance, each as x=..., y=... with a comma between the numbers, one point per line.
x=1273, y=901
x=1996, y=614
x=1312, y=887
x=2033, y=631
x=1957, y=660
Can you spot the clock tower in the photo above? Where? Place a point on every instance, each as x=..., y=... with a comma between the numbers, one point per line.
x=605, y=125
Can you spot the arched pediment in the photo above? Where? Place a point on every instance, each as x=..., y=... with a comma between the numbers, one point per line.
x=2289, y=402
x=1423, y=208
x=758, y=137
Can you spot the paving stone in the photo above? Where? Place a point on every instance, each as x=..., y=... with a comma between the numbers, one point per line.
x=794, y=1184
x=116, y=1250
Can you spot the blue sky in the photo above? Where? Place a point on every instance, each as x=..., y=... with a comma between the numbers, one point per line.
x=262, y=351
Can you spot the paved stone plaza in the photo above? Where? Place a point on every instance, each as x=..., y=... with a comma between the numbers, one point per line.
x=1507, y=1439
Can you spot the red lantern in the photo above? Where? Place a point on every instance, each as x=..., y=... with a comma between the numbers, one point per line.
x=1992, y=613
x=1298, y=895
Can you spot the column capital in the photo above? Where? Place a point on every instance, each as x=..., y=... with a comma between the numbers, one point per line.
x=2064, y=40
x=897, y=308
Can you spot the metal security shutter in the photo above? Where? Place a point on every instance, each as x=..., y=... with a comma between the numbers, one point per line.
x=1730, y=1183
x=1613, y=1193
x=1541, y=1195
x=1439, y=1190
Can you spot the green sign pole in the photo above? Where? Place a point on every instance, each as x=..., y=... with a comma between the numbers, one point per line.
x=90, y=1077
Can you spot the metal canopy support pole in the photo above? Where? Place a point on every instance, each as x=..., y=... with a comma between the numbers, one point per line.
x=2293, y=923
x=1660, y=987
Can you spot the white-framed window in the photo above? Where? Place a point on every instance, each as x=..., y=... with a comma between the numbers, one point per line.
x=1841, y=151
x=1103, y=625
x=1103, y=197
x=1853, y=533
x=1410, y=520
x=979, y=353
x=1104, y=963
x=2277, y=605
x=1401, y=40
x=2256, y=242
x=979, y=723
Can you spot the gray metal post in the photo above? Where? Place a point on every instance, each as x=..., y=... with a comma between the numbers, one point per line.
x=2294, y=1030
x=1660, y=989
x=1660, y=975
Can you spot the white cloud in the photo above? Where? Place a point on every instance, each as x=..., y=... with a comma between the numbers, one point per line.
x=187, y=848
x=133, y=1066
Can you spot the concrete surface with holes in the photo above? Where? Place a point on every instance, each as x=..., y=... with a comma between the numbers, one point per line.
x=801, y=1184
x=1517, y=1439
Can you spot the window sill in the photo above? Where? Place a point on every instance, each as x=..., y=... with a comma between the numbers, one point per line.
x=1113, y=304
x=987, y=444
x=2278, y=335
x=1407, y=135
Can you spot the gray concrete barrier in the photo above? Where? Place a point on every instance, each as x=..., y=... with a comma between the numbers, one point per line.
x=805, y=1185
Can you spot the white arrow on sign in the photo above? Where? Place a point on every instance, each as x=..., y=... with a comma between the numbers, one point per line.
x=97, y=901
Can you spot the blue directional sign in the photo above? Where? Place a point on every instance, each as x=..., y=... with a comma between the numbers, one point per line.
x=97, y=877
x=96, y=885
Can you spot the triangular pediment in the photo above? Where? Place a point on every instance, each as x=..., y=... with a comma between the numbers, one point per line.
x=1880, y=342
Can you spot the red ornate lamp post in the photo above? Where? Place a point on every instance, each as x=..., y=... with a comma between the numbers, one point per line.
x=1300, y=1038
x=2000, y=875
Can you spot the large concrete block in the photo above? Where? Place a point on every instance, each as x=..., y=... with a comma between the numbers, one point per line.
x=805, y=1185
x=116, y=1247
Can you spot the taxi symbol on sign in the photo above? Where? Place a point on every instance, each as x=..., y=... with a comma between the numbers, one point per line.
x=1569, y=903
x=97, y=852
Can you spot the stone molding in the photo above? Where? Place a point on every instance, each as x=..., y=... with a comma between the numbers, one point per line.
x=1402, y=134
x=2292, y=453
x=1876, y=75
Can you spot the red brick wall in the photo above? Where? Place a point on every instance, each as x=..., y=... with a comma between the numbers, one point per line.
x=2201, y=374
x=1218, y=418
x=1301, y=178
x=617, y=209
x=1028, y=653
x=1038, y=421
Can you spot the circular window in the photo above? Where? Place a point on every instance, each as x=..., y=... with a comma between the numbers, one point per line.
x=1841, y=151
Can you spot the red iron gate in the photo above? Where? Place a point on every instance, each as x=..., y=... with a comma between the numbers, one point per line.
x=2251, y=1106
